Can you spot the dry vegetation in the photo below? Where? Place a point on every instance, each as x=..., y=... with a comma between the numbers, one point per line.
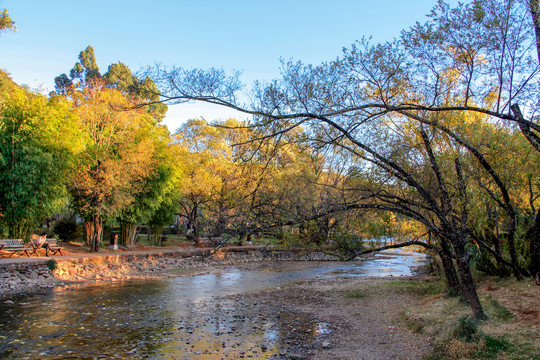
x=511, y=331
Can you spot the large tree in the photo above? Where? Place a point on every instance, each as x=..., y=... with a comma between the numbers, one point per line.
x=120, y=172
x=476, y=59
x=38, y=140
x=118, y=156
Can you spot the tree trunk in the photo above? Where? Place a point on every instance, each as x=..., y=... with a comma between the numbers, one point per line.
x=449, y=269
x=194, y=225
x=156, y=234
x=467, y=282
x=127, y=234
x=535, y=245
x=512, y=247
x=88, y=230
x=19, y=230
x=96, y=234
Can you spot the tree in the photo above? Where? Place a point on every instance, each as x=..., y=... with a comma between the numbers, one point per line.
x=121, y=166
x=5, y=22
x=471, y=60
x=118, y=76
x=117, y=159
x=38, y=140
x=160, y=191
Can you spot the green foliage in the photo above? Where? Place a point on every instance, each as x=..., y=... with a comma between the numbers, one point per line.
x=493, y=346
x=419, y=288
x=496, y=310
x=466, y=329
x=51, y=264
x=5, y=21
x=38, y=140
x=118, y=76
x=356, y=295
x=67, y=230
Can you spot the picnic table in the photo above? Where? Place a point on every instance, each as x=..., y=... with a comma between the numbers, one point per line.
x=14, y=246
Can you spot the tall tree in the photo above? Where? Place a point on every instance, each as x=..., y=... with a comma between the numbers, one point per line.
x=159, y=191
x=472, y=59
x=117, y=159
x=38, y=140
x=118, y=76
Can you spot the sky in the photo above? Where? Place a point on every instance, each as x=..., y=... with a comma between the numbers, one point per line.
x=250, y=36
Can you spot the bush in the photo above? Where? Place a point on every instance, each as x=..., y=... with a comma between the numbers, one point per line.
x=466, y=329
x=51, y=264
x=66, y=230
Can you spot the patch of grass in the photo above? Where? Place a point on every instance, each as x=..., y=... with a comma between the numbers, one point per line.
x=419, y=288
x=506, y=334
x=492, y=347
x=415, y=324
x=496, y=310
x=466, y=329
x=356, y=295
x=266, y=241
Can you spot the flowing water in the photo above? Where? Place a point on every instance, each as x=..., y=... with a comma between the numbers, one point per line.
x=186, y=317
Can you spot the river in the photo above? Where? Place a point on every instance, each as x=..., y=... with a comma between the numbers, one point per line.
x=184, y=317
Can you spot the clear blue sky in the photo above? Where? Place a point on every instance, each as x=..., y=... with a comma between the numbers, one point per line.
x=246, y=35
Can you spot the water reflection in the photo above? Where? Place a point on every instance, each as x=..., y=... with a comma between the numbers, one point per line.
x=180, y=318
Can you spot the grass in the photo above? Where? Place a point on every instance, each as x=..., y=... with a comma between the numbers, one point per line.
x=356, y=295
x=419, y=288
x=511, y=331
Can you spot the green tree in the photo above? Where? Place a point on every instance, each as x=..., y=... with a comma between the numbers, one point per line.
x=38, y=140
x=157, y=202
x=118, y=76
x=5, y=22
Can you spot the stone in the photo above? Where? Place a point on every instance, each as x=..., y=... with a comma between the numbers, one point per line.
x=326, y=345
x=33, y=275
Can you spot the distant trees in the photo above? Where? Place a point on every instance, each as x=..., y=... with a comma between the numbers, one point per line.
x=426, y=121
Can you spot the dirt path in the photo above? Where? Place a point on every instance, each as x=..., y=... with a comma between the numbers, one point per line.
x=362, y=313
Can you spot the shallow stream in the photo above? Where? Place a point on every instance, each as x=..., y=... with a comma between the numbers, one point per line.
x=184, y=317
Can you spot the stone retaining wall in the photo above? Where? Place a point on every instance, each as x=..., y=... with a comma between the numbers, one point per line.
x=22, y=278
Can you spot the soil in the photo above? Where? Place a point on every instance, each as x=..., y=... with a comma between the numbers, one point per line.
x=362, y=314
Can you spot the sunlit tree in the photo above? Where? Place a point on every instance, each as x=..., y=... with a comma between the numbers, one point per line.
x=38, y=140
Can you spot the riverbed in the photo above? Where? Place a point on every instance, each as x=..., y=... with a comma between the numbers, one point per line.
x=203, y=316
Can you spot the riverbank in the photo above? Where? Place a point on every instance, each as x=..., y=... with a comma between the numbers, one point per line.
x=413, y=318
x=23, y=275
x=408, y=317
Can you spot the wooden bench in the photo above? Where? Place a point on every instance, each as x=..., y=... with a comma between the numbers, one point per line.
x=14, y=246
x=53, y=247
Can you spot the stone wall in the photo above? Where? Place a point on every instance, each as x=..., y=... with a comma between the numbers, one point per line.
x=22, y=278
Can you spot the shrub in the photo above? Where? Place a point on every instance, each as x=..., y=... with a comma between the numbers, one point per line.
x=51, y=264
x=66, y=230
x=466, y=329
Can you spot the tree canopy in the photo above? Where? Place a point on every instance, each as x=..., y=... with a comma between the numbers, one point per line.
x=409, y=113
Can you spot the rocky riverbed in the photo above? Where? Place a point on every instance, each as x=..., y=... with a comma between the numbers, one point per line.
x=323, y=317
